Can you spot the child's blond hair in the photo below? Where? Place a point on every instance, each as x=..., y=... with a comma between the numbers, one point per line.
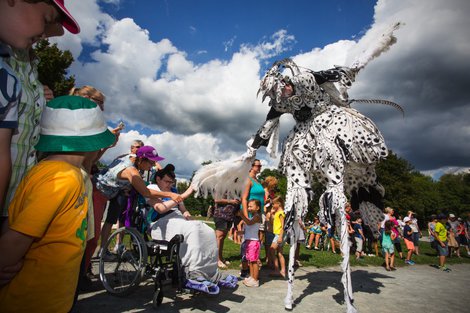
x=279, y=200
x=89, y=92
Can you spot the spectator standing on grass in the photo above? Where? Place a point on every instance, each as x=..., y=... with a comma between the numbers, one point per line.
x=278, y=241
x=396, y=237
x=416, y=231
x=462, y=235
x=408, y=237
x=440, y=234
x=451, y=225
x=358, y=237
x=388, y=246
x=224, y=215
x=431, y=231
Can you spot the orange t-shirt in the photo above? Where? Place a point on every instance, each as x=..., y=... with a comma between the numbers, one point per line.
x=50, y=205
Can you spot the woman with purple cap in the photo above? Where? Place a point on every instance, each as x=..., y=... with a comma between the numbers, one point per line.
x=122, y=174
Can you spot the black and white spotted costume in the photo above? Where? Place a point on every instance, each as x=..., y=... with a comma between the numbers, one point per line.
x=330, y=142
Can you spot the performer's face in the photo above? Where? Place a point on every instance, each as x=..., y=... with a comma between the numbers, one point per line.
x=287, y=91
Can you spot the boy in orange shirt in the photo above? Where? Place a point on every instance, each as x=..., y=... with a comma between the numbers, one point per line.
x=47, y=216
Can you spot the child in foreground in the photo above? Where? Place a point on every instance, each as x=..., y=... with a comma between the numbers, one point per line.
x=252, y=244
x=47, y=216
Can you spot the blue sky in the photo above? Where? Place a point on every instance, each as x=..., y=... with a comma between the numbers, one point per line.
x=205, y=29
x=183, y=75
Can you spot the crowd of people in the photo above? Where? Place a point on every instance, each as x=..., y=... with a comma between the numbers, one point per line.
x=448, y=235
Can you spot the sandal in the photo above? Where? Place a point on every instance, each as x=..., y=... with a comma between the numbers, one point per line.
x=221, y=265
x=229, y=282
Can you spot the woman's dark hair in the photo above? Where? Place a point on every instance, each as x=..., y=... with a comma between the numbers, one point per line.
x=388, y=227
x=169, y=170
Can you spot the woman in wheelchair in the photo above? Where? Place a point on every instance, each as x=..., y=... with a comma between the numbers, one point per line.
x=198, y=252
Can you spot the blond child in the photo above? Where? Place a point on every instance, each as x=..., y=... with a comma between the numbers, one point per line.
x=278, y=243
x=47, y=217
x=252, y=243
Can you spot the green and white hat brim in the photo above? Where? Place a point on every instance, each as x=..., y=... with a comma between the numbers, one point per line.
x=73, y=124
x=49, y=143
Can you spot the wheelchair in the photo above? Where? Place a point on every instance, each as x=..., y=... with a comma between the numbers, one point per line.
x=130, y=256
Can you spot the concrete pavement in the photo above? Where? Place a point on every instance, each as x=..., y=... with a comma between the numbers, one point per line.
x=418, y=288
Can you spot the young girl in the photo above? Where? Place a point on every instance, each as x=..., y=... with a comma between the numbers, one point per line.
x=387, y=246
x=252, y=243
x=277, y=244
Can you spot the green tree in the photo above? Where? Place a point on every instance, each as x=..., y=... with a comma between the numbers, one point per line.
x=53, y=66
x=454, y=191
x=394, y=173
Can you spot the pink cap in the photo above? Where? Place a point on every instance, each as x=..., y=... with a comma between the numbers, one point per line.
x=149, y=152
x=69, y=22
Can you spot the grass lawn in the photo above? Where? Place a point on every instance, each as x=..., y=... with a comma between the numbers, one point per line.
x=324, y=259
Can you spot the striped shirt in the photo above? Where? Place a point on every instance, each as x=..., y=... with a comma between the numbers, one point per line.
x=23, y=154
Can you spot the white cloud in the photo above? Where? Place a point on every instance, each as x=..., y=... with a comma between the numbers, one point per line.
x=209, y=110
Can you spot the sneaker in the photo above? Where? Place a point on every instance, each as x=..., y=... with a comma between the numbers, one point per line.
x=370, y=254
x=251, y=283
x=409, y=262
x=308, y=247
x=445, y=268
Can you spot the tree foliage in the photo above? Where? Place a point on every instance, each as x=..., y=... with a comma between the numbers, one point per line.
x=53, y=66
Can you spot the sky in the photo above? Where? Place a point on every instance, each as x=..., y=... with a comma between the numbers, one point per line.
x=183, y=75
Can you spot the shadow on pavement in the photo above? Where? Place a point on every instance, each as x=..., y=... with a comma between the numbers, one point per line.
x=362, y=281
x=97, y=300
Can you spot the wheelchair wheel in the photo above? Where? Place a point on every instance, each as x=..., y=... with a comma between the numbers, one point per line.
x=123, y=266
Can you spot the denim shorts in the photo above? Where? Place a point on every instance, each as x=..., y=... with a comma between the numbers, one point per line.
x=268, y=239
x=442, y=251
x=275, y=239
x=415, y=237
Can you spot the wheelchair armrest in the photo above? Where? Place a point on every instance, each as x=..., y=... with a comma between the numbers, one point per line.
x=177, y=239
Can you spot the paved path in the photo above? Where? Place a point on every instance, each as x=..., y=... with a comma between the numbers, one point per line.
x=418, y=288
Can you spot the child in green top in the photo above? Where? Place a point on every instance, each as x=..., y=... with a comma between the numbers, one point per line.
x=440, y=234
